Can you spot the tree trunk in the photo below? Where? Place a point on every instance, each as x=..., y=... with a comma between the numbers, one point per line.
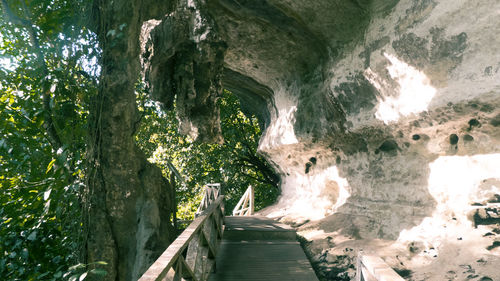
x=130, y=204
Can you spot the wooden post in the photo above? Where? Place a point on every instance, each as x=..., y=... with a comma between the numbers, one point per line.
x=174, y=200
x=210, y=194
x=245, y=202
x=373, y=268
x=246, y=205
x=358, y=266
x=252, y=199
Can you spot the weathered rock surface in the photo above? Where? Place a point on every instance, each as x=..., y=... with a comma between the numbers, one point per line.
x=381, y=116
x=130, y=203
x=183, y=57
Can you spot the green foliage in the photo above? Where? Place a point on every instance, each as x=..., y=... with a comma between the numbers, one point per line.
x=235, y=163
x=41, y=177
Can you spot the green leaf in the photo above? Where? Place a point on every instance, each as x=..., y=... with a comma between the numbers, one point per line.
x=43, y=275
x=51, y=164
x=26, y=200
x=32, y=236
x=99, y=272
x=83, y=276
x=76, y=267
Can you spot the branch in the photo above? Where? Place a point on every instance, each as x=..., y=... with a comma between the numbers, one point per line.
x=244, y=137
x=49, y=125
x=260, y=166
x=258, y=179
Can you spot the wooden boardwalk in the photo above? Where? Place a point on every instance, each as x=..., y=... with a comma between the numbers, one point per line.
x=257, y=248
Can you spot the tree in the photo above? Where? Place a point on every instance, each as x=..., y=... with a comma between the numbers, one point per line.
x=129, y=218
x=235, y=163
x=44, y=95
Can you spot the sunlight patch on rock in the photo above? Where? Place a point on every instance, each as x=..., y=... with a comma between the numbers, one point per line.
x=454, y=182
x=312, y=196
x=280, y=130
x=413, y=95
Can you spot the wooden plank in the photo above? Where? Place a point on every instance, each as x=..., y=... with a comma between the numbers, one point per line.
x=245, y=205
x=219, y=221
x=254, y=260
x=192, y=250
x=186, y=268
x=178, y=271
x=209, y=244
x=379, y=269
x=202, y=261
x=209, y=268
x=366, y=275
x=239, y=228
x=278, y=260
x=252, y=200
x=210, y=232
x=255, y=223
x=170, y=275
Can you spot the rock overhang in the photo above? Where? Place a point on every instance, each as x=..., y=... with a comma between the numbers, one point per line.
x=350, y=83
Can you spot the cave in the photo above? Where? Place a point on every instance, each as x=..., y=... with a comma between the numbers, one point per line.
x=367, y=108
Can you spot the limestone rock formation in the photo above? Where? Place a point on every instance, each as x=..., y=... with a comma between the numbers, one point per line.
x=382, y=117
x=183, y=56
x=130, y=203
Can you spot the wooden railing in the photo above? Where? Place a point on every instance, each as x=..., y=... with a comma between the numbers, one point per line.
x=372, y=268
x=192, y=255
x=210, y=194
x=245, y=206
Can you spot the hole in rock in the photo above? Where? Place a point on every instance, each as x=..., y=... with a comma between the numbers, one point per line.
x=388, y=145
x=308, y=167
x=468, y=137
x=474, y=123
x=313, y=160
x=495, y=121
x=453, y=139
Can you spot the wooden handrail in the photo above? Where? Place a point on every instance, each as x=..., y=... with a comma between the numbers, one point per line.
x=245, y=206
x=192, y=255
x=372, y=268
x=210, y=194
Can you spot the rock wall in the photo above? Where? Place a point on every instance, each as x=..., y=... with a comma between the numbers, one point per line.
x=382, y=117
x=367, y=95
